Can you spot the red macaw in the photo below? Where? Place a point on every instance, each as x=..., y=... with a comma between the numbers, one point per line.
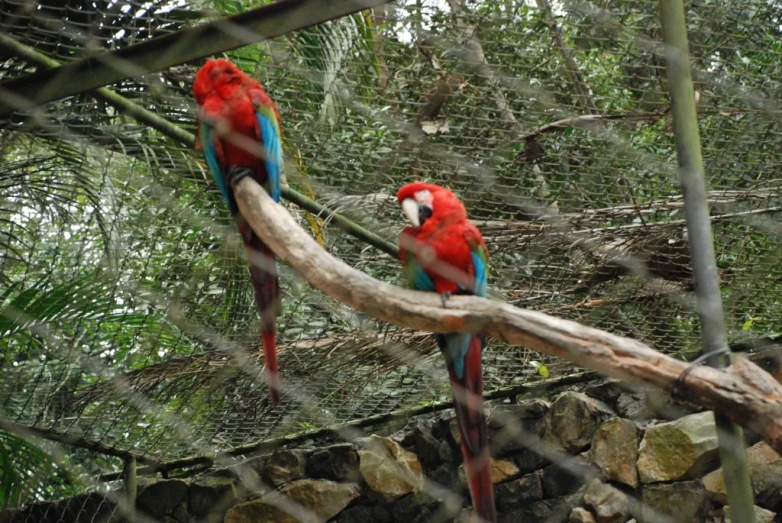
x=239, y=130
x=444, y=252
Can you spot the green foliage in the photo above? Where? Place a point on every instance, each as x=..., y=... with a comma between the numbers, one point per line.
x=123, y=285
x=28, y=473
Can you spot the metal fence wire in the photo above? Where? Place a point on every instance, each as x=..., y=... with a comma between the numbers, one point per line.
x=124, y=285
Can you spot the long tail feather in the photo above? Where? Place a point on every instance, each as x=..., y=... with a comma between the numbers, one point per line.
x=468, y=396
x=263, y=273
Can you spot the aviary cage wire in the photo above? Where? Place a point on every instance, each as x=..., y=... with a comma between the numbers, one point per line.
x=123, y=280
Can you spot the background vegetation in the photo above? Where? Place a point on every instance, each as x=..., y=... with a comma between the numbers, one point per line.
x=122, y=281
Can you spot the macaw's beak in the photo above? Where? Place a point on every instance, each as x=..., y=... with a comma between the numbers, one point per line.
x=416, y=212
x=410, y=207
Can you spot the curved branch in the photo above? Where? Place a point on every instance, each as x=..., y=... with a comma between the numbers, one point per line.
x=744, y=392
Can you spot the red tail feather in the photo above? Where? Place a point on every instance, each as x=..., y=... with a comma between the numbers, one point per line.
x=263, y=273
x=269, y=340
x=468, y=396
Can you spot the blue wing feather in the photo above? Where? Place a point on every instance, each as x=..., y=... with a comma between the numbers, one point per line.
x=481, y=274
x=457, y=345
x=272, y=147
x=210, y=154
x=421, y=280
x=416, y=276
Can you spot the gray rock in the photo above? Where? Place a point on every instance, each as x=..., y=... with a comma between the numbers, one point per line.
x=528, y=409
x=445, y=452
x=560, y=481
x=632, y=405
x=509, y=434
x=573, y=419
x=682, y=502
x=664, y=406
x=180, y=514
x=607, y=391
x=211, y=496
x=765, y=471
x=530, y=459
x=425, y=443
x=285, y=466
x=336, y=462
x=518, y=492
x=388, y=468
x=162, y=497
x=681, y=449
x=615, y=451
x=365, y=514
x=609, y=504
x=555, y=510
x=446, y=475
x=417, y=508
x=581, y=515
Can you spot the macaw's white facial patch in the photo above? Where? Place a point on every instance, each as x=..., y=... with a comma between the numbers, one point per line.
x=410, y=207
x=424, y=198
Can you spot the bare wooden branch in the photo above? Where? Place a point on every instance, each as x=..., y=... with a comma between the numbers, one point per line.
x=176, y=48
x=585, y=120
x=72, y=440
x=747, y=394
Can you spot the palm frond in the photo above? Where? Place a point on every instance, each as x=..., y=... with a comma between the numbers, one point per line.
x=50, y=179
x=29, y=473
x=328, y=48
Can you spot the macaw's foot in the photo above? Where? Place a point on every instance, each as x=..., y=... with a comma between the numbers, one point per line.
x=445, y=296
x=714, y=354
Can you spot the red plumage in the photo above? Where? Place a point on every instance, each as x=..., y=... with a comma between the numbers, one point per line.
x=225, y=93
x=473, y=432
x=447, y=233
x=229, y=103
x=443, y=245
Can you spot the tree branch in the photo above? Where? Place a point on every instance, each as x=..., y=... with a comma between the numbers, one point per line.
x=570, y=62
x=743, y=391
x=74, y=441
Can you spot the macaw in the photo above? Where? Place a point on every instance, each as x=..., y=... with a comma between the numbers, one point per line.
x=239, y=130
x=443, y=252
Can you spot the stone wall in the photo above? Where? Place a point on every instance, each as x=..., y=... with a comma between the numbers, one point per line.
x=599, y=452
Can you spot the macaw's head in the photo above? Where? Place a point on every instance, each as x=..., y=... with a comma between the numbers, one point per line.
x=428, y=203
x=216, y=76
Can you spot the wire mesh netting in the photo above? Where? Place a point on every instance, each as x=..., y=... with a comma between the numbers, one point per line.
x=125, y=291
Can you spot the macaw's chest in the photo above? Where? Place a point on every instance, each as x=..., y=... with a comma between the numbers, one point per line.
x=445, y=255
x=241, y=146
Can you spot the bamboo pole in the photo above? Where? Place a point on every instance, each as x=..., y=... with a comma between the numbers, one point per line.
x=177, y=48
x=707, y=284
x=180, y=135
x=131, y=489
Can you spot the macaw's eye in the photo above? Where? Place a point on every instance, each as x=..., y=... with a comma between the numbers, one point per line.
x=424, y=212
